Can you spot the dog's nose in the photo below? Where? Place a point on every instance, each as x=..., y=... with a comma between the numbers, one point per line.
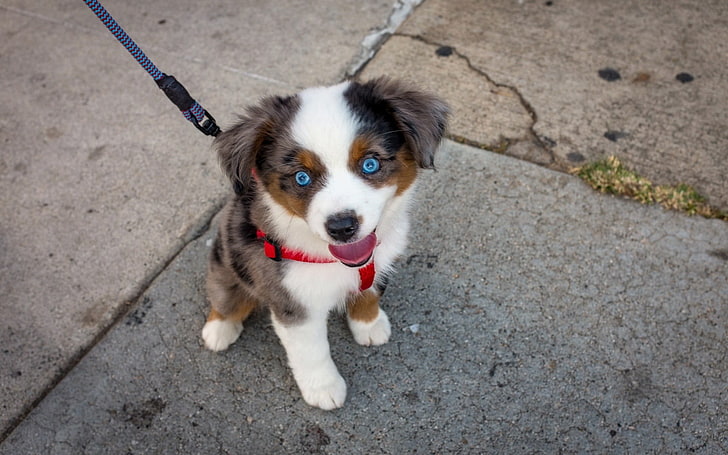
x=342, y=226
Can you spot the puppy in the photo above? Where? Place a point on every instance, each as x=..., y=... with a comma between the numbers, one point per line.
x=323, y=181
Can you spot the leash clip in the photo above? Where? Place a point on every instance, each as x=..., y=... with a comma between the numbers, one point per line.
x=208, y=126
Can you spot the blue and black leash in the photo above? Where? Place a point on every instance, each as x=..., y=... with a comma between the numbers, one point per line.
x=175, y=91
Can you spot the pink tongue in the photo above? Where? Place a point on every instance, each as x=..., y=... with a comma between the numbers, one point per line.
x=357, y=253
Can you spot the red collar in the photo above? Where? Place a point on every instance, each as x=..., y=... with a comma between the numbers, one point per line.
x=278, y=253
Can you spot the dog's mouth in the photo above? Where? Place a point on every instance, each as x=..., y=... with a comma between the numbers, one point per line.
x=355, y=254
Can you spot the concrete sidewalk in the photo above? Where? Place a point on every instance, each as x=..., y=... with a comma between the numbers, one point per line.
x=541, y=318
x=530, y=314
x=565, y=82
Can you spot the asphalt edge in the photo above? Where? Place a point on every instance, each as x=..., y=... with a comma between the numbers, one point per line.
x=121, y=311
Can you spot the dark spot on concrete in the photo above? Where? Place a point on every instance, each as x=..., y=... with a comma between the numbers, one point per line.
x=612, y=433
x=575, y=157
x=96, y=153
x=411, y=396
x=142, y=414
x=614, y=136
x=549, y=3
x=92, y=316
x=637, y=383
x=428, y=260
x=548, y=142
x=609, y=74
x=314, y=438
x=685, y=77
x=444, y=51
x=53, y=133
x=162, y=21
x=137, y=316
x=720, y=254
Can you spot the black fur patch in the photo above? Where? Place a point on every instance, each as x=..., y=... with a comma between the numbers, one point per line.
x=376, y=116
x=216, y=254
x=386, y=106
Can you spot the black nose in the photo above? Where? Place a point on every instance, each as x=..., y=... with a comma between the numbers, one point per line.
x=342, y=226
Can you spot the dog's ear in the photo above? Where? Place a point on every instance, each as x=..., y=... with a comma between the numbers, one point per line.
x=241, y=147
x=420, y=116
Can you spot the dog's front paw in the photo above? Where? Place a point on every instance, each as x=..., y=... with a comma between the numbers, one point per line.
x=326, y=391
x=219, y=334
x=371, y=333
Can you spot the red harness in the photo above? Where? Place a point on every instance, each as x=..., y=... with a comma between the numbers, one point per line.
x=278, y=253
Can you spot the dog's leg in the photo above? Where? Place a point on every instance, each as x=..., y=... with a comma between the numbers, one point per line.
x=367, y=322
x=307, y=347
x=220, y=331
x=230, y=306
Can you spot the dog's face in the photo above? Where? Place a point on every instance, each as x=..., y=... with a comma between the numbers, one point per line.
x=336, y=156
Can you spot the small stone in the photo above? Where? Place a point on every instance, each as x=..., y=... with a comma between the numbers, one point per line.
x=444, y=51
x=609, y=74
x=575, y=157
x=685, y=77
x=615, y=135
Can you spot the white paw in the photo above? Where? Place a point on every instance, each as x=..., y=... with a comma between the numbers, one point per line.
x=371, y=333
x=219, y=334
x=326, y=391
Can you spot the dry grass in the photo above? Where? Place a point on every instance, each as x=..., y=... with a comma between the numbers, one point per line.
x=610, y=176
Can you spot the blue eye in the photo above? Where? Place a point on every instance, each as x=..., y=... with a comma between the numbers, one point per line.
x=302, y=178
x=370, y=166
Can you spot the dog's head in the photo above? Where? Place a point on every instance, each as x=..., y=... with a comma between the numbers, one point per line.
x=336, y=156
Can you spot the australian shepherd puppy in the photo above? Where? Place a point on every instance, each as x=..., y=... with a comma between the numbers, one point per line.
x=323, y=181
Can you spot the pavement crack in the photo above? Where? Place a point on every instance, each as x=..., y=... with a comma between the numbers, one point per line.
x=372, y=42
x=526, y=105
x=504, y=145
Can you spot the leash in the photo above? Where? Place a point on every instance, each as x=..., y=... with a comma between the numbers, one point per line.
x=174, y=90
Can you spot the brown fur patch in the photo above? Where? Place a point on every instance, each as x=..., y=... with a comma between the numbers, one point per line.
x=282, y=187
x=240, y=313
x=296, y=206
x=358, y=151
x=311, y=162
x=407, y=173
x=363, y=307
x=399, y=170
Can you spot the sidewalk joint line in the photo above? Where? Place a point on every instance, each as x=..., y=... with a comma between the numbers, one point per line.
x=118, y=315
